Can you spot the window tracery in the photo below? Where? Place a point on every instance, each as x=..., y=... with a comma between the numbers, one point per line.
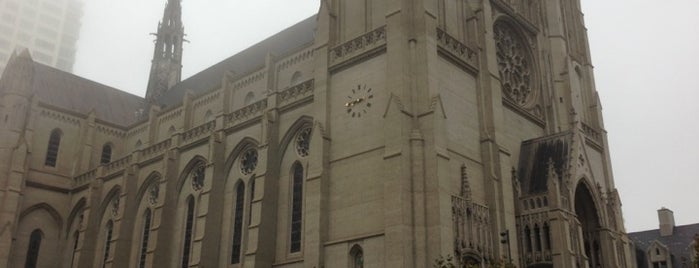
x=115, y=205
x=106, y=156
x=153, y=194
x=303, y=142
x=52, y=150
x=238, y=224
x=107, y=242
x=33, y=250
x=514, y=64
x=296, y=207
x=248, y=162
x=198, y=175
x=189, y=225
x=144, y=239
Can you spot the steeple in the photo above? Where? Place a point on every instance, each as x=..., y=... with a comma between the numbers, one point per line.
x=166, y=66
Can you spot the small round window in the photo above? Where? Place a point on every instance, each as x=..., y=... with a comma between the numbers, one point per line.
x=248, y=162
x=198, y=177
x=303, y=141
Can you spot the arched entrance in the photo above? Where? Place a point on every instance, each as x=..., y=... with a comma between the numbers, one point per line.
x=587, y=214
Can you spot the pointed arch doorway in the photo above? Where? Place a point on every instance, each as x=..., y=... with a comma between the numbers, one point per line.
x=588, y=216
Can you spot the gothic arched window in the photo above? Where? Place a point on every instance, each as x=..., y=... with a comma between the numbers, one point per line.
x=547, y=237
x=296, y=207
x=303, y=141
x=238, y=223
x=537, y=238
x=52, y=150
x=109, y=229
x=144, y=239
x=106, y=156
x=33, y=250
x=356, y=257
x=252, y=198
x=188, y=226
x=76, y=240
x=527, y=239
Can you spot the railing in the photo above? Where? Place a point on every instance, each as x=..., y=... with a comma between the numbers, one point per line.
x=456, y=49
x=535, y=202
x=296, y=92
x=117, y=165
x=198, y=131
x=157, y=148
x=592, y=133
x=358, y=46
x=85, y=178
x=247, y=112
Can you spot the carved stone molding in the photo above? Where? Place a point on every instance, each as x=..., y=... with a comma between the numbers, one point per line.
x=358, y=47
x=472, y=231
x=198, y=131
x=60, y=117
x=452, y=47
x=515, y=65
x=247, y=112
x=296, y=92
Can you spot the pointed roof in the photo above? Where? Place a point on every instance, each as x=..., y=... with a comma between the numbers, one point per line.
x=539, y=157
x=679, y=243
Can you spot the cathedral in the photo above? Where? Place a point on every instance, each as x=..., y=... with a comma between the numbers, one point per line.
x=375, y=133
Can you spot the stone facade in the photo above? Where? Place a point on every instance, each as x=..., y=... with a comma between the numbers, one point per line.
x=375, y=134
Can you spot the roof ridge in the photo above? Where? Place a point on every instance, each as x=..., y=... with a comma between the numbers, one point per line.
x=80, y=78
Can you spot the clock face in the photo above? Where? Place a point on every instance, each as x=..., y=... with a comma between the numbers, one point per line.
x=359, y=101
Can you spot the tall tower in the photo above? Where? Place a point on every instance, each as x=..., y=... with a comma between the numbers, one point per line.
x=166, y=66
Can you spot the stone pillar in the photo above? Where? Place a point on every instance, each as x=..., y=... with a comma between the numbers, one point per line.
x=210, y=247
x=92, y=227
x=122, y=252
x=167, y=240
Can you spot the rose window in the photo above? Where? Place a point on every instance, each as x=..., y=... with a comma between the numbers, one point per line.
x=514, y=65
x=248, y=162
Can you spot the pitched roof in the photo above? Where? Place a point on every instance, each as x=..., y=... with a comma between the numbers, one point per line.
x=71, y=92
x=287, y=41
x=67, y=91
x=534, y=158
x=678, y=243
x=74, y=93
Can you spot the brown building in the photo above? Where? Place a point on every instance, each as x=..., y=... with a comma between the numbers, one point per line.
x=669, y=246
x=375, y=134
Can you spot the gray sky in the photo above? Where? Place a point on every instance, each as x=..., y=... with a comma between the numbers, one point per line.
x=644, y=53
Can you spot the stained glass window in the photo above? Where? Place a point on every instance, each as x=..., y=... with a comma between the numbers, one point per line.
x=238, y=223
x=296, y=208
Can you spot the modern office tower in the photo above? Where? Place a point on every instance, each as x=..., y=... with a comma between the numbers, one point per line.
x=48, y=28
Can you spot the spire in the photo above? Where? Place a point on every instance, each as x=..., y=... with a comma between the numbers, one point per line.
x=166, y=66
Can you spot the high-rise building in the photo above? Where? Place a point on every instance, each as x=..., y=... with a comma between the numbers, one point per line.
x=48, y=28
x=374, y=134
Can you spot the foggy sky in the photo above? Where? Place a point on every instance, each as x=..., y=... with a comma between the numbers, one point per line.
x=644, y=53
